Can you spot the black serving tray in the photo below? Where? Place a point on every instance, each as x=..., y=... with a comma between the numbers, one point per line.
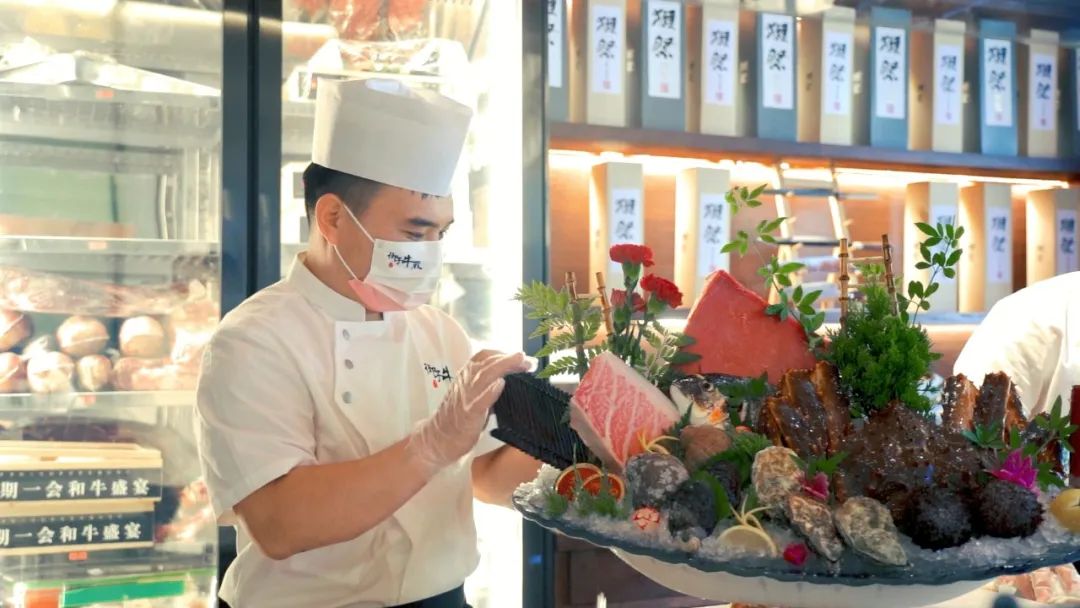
x=531, y=416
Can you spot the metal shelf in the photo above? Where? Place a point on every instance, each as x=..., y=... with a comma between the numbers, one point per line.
x=90, y=403
x=123, y=257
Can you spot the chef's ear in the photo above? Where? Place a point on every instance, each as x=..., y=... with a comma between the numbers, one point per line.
x=329, y=212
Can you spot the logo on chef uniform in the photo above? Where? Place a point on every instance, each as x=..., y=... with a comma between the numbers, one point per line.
x=438, y=374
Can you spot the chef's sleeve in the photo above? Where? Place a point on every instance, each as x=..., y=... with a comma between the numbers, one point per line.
x=254, y=416
x=1014, y=339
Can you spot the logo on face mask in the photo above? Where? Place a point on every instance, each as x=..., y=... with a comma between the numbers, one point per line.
x=438, y=374
x=406, y=262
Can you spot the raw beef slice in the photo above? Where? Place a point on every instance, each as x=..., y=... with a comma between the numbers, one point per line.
x=613, y=405
x=734, y=335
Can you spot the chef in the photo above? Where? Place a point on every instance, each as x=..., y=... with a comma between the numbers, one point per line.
x=341, y=422
x=1033, y=336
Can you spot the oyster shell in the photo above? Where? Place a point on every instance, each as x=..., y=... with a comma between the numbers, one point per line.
x=867, y=527
x=703, y=442
x=652, y=477
x=814, y=521
x=776, y=475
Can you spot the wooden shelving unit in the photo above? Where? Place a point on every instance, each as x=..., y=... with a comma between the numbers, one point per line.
x=628, y=140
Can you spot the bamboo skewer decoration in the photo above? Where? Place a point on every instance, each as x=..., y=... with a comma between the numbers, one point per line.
x=847, y=264
x=605, y=303
x=844, y=278
x=571, y=285
x=886, y=254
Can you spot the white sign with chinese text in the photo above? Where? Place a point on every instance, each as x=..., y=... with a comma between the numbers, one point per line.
x=839, y=51
x=997, y=83
x=998, y=245
x=948, y=95
x=1066, y=255
x=664, y=37
x=626, y=222
x=1076, y=65
x=890, y=44
x=721, y=38
x=554, y=39
x=1043, y=86
x=778, y=56
x=713, y=230
x=609, y=32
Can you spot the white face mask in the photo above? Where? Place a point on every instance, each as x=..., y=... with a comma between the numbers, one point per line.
x=402, y=276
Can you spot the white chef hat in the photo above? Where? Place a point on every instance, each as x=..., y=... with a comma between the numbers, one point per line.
x=389, y=132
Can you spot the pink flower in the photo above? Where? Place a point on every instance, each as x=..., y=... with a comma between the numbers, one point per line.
x=1018, y=469
x=796, y=554
x=818, y=487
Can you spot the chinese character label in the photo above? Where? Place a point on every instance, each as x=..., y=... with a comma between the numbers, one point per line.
x=778, y=61
x=664, y=35
x=948, y=78
x=890, y=72
x=9, y=490
x=713, y=232
x=119, y=487
x=111, y=533
x=837, y=60
x=555, y=42
x=997, y=95
x=68, y=534
x=5, y=537
x=45, y=536
x=76, y=489
x=97, y=488
x=998, y=247
x=1068, y=260
x=132, y=531
x=141, y=487
x=1043, y=86
x=1076, y=65
x=608, y=32
x=719, y=62
x=626, y=223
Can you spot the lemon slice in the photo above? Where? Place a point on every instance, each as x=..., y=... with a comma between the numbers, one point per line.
x=749, y=538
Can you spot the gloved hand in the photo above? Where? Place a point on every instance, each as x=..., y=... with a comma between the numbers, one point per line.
x=455, y=428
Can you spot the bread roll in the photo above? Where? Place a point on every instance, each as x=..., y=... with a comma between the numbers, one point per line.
x=93, y=372
x=14, y=328
x=142, y=337
x=80, y=336
x=40, y=345
x=12, y=374
x=50, y=372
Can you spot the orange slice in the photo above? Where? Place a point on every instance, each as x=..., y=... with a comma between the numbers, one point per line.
x=595, y=484
x=567, y=480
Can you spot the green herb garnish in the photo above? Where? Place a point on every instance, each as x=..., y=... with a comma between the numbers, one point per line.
x=987, y=437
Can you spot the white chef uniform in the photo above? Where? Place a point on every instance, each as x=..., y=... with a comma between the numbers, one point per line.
x=296, y=376
x=1033, y=336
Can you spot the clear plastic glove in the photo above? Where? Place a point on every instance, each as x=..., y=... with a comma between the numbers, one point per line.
x=455, y=428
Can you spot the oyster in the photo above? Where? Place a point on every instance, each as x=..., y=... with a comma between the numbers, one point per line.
x=867, y=527
x=814, y=521
x=775, y=476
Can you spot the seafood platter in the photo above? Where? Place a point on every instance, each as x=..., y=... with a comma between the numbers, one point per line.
x=756, y=458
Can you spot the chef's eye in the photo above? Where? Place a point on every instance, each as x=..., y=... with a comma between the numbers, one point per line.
x=414, y=236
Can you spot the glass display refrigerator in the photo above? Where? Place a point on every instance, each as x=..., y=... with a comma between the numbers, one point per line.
x=110, y=285
x=472, y=52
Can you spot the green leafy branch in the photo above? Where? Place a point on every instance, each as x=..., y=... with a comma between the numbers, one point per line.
x=817, y=464
x=1057, y=429
x=793, y=303
x=939, y=254
x=668, y=354
x=987, y=437
x=569, y=324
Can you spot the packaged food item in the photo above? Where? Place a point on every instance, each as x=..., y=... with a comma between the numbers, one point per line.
x=130, y=374
x=80, y=336
x=50, y=372
x=93, y=372
x=14, y=328
x=191, y=326
x=12, y=374
x=142, y=337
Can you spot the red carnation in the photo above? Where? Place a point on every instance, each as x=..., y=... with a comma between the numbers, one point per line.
x=631, y=254
x=796, y=554
x=618, y=299
x=662, y=289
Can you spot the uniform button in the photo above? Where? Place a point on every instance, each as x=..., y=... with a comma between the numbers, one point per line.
x=348, y=364
x=345, y=334
x=346, y=397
